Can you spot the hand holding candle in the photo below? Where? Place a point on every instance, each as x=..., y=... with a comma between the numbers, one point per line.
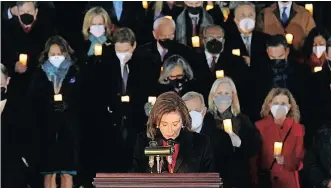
x=23, y=59
x=278, y=148
x=58, y=97
x=236, y=52
x=317, y=69
x=220, y=74
x=152, y=100
x=209, y=7
x=98, y=49
x=125, y=98
x=227, y=124
x=196, y=41
x=289, y=38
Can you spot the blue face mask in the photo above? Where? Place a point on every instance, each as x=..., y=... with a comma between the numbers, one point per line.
x=222, y=102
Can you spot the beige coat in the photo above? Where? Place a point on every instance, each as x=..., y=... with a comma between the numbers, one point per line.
x=300, y=23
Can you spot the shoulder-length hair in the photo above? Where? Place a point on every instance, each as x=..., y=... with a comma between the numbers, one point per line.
x=235, y=106
x=95, y=11
x=172, y=62
x=65, y=48
x=166, y=103
x=293, y=112
x=309, y=41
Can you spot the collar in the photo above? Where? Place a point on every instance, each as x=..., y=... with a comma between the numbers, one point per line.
x=281, y=6
x=249, y=35
x=210, y=56
x=193, y=16
x=159, y=47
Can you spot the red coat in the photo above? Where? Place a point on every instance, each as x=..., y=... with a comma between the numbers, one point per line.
x=282, y=176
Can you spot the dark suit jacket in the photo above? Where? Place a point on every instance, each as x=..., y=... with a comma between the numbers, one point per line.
x=195, y=153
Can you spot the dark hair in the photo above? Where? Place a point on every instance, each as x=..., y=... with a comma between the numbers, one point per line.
x=66, y=50
x=308, y=45
x=166, y=103
x=21, y=3
x=123, y=35
x=277, y=40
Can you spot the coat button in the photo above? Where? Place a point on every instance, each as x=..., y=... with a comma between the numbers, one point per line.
x=114, y=124
x=124, y=117
x=109, y=110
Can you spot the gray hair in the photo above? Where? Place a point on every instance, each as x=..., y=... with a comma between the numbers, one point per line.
x=4, y=70
x=172, y=62
x=192, y=95
x=21, y=3
x=161, y=21
x=205, y=29
x=243, y=3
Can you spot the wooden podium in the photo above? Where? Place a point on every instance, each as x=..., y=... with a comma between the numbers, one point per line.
x=147, y=180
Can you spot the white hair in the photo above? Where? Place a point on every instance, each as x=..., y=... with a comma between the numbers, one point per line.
x=161, y=21
x=243, y=3
x=192, y=95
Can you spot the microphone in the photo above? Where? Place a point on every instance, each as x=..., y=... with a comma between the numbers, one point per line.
x=171, y=145
x=152, y=144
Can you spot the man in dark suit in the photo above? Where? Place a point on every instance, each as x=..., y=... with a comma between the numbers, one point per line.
x=251, y=45
x=154, y=53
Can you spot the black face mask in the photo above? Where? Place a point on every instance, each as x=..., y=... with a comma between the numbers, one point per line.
x=278, y=63
x=166, y=43
x=3, y=93
x=214, y=46
x=194, y=10
x=177, y=83
x=27, y=19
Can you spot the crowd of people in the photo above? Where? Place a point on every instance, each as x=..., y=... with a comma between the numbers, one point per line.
x=76, y=102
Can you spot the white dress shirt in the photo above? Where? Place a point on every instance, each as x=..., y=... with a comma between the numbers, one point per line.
x=194, y=16
x=249, y=41
x=161, y=49
x=209, y=57
x=281, y=9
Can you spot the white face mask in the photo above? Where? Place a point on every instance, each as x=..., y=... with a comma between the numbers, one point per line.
x=124, y=56
x=247, y=24
x=279, y=111
x=56, y=60
x=97, y=30
x=319, y=50
x=197, y=120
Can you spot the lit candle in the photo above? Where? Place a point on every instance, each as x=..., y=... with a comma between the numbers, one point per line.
x=289, y=38
x=58, y=97
x=236, y=52
x=161, y=69
x=220, y=74
x=310, y=8
x=196, y=41
x=98, y=49
x=209, y=7
x=317, y=69
x=227, y=126
x=23, y=59
x=169, y=17
x=125, y=98
x=278, y=148
x=152, y=100
x=225, y=12
x=145, y=4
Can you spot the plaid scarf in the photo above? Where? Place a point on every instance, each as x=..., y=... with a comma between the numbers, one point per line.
x=280, y=73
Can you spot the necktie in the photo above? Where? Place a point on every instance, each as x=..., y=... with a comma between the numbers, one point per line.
x=194, y=26
x=284, y=16
x=213, y=63
x=247, y=44
x=164, y=52
x=118, y=5
x=125, y=78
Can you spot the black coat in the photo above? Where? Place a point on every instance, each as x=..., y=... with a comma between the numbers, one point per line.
x=238, y=174
x=195, y=153
x=57, y=132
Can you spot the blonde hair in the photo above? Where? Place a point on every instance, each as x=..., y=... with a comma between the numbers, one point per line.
x=235, y=106
x=293, y=112
x=166, y=103
x=95, y=11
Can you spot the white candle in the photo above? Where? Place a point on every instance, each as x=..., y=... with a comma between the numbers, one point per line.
x=58, y=97
x=169, y=17
x=125, y=98
x=317, y=69
x=289, y=38
x=23, y=59
x=151, y=100
x=98, y=49
x=196, y=41
x=209, y=7
x=278, y=148
x=220, y=74
x=227, y=124
x=145, y=4
x=236, y=52
x=310, y=8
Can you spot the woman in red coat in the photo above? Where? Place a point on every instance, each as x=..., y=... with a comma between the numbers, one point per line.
x=280, y=115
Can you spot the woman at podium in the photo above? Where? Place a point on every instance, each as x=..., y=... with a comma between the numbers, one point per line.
x=170, y=120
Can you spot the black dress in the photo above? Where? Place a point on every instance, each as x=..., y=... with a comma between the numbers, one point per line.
x=57, y=131
x=195, y=154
